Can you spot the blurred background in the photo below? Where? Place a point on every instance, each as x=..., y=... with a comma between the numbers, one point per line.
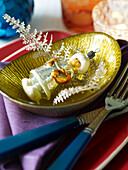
x=72, y=16
x=46, y=16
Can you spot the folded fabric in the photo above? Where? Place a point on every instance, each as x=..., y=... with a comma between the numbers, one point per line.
x=14, y=120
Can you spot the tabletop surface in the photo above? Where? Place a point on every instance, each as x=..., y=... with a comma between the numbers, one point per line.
x=46, y=16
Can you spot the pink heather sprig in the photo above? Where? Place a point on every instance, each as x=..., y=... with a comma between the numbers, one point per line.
x=32, y=39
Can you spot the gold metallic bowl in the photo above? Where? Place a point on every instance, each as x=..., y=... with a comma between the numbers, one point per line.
x=14, y=72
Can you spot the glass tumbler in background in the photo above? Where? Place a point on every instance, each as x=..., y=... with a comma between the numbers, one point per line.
x=77, y=14
x=111, y=17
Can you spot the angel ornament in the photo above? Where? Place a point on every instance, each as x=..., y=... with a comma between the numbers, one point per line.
x=43, y=80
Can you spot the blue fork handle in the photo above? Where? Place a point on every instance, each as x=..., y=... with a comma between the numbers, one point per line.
x=31, y=139
x=70, y=155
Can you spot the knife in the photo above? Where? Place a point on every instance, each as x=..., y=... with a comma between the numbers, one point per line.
x=14, y=145
x=25, y=141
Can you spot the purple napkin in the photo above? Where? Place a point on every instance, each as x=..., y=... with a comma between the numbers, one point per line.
x=14, y=120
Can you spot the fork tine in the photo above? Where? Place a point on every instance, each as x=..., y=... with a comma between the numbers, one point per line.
x=121, y=87
x=124, y=93
x=118, y=81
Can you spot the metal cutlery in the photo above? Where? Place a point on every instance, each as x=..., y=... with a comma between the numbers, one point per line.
x=71, y=154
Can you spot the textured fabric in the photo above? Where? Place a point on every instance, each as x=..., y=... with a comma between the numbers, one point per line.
x=14, y=120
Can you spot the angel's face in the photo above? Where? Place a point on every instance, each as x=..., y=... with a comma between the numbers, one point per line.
x=80, y=63
x=75, y=62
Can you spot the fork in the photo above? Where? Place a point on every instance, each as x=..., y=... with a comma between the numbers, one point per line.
x=113, y=101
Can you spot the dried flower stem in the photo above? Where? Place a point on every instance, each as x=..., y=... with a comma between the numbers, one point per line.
x=66, y=93
x=32, y=39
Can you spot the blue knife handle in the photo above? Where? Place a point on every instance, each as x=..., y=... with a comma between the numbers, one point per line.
x=70, y=155
x=13, y=145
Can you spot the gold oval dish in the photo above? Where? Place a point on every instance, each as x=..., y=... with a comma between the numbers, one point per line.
x=14, y=72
